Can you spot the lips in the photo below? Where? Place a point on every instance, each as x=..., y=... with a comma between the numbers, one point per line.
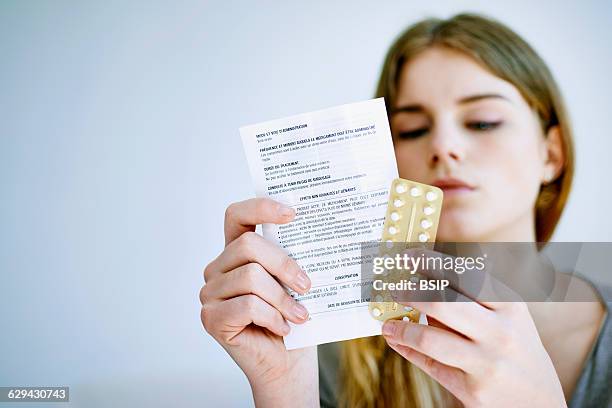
x=453, y=185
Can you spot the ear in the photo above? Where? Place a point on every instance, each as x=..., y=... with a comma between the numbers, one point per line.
x=555, y=156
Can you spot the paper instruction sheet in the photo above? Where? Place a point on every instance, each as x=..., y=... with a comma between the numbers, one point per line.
x=334, y=167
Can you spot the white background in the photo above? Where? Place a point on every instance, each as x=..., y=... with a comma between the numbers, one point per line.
x=119, y=151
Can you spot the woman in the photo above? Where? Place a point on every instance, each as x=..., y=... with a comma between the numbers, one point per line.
x=474, y=110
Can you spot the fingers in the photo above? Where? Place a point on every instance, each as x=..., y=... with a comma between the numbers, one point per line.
x=254, y=279
x=431, y=321
x=443, y=346
x=226, y=320
x=451, y=378
x=463, y=315
x=253, y=248
x=240, y=288
x=243, y=216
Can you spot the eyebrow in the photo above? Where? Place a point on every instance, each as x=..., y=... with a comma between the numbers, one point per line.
x=417, y=108
x=475, y=98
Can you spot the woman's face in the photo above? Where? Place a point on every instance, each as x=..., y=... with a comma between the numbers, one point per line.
x=457, y=126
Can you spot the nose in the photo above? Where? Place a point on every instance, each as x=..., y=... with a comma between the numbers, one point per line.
x=446, y=146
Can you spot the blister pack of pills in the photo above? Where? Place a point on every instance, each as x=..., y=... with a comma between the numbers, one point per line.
x=412, y=217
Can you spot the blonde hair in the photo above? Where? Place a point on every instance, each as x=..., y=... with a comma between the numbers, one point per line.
x=372, y=374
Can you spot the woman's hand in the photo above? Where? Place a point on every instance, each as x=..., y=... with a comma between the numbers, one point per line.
x=485, y=353
x=245, y=308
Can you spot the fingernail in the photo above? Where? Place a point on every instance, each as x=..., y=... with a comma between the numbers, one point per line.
x=388, y=328
x=286, y=211
x=302, y=281
x=300, y=311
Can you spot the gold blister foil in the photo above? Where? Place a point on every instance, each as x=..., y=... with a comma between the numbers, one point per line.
x=412, y=217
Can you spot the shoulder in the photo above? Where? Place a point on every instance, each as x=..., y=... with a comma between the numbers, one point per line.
x=592, y=389
x=586, y=303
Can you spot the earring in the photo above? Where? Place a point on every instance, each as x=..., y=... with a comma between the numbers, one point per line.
x=548, y=176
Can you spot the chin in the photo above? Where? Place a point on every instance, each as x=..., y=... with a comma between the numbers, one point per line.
x=457, y=229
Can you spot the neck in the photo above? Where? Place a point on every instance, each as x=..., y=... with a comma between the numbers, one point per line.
x=523, y=230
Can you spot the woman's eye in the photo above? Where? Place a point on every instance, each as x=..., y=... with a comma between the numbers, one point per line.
x=482, y=125
x=413, y=134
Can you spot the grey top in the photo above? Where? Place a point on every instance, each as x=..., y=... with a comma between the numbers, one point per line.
x=593, y=389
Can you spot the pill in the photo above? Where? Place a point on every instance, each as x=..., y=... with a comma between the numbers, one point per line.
x=400, y=188
x=392, y=230
x=376, y=312
x=428, y=210
x=398, y=203
x=389, y=244
x=430, y=196
x=423, y=237
x=406, y=318
x=406, y=308
x=415, y=191
x=378, y=298
x=425, y=223
x=395, y=216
